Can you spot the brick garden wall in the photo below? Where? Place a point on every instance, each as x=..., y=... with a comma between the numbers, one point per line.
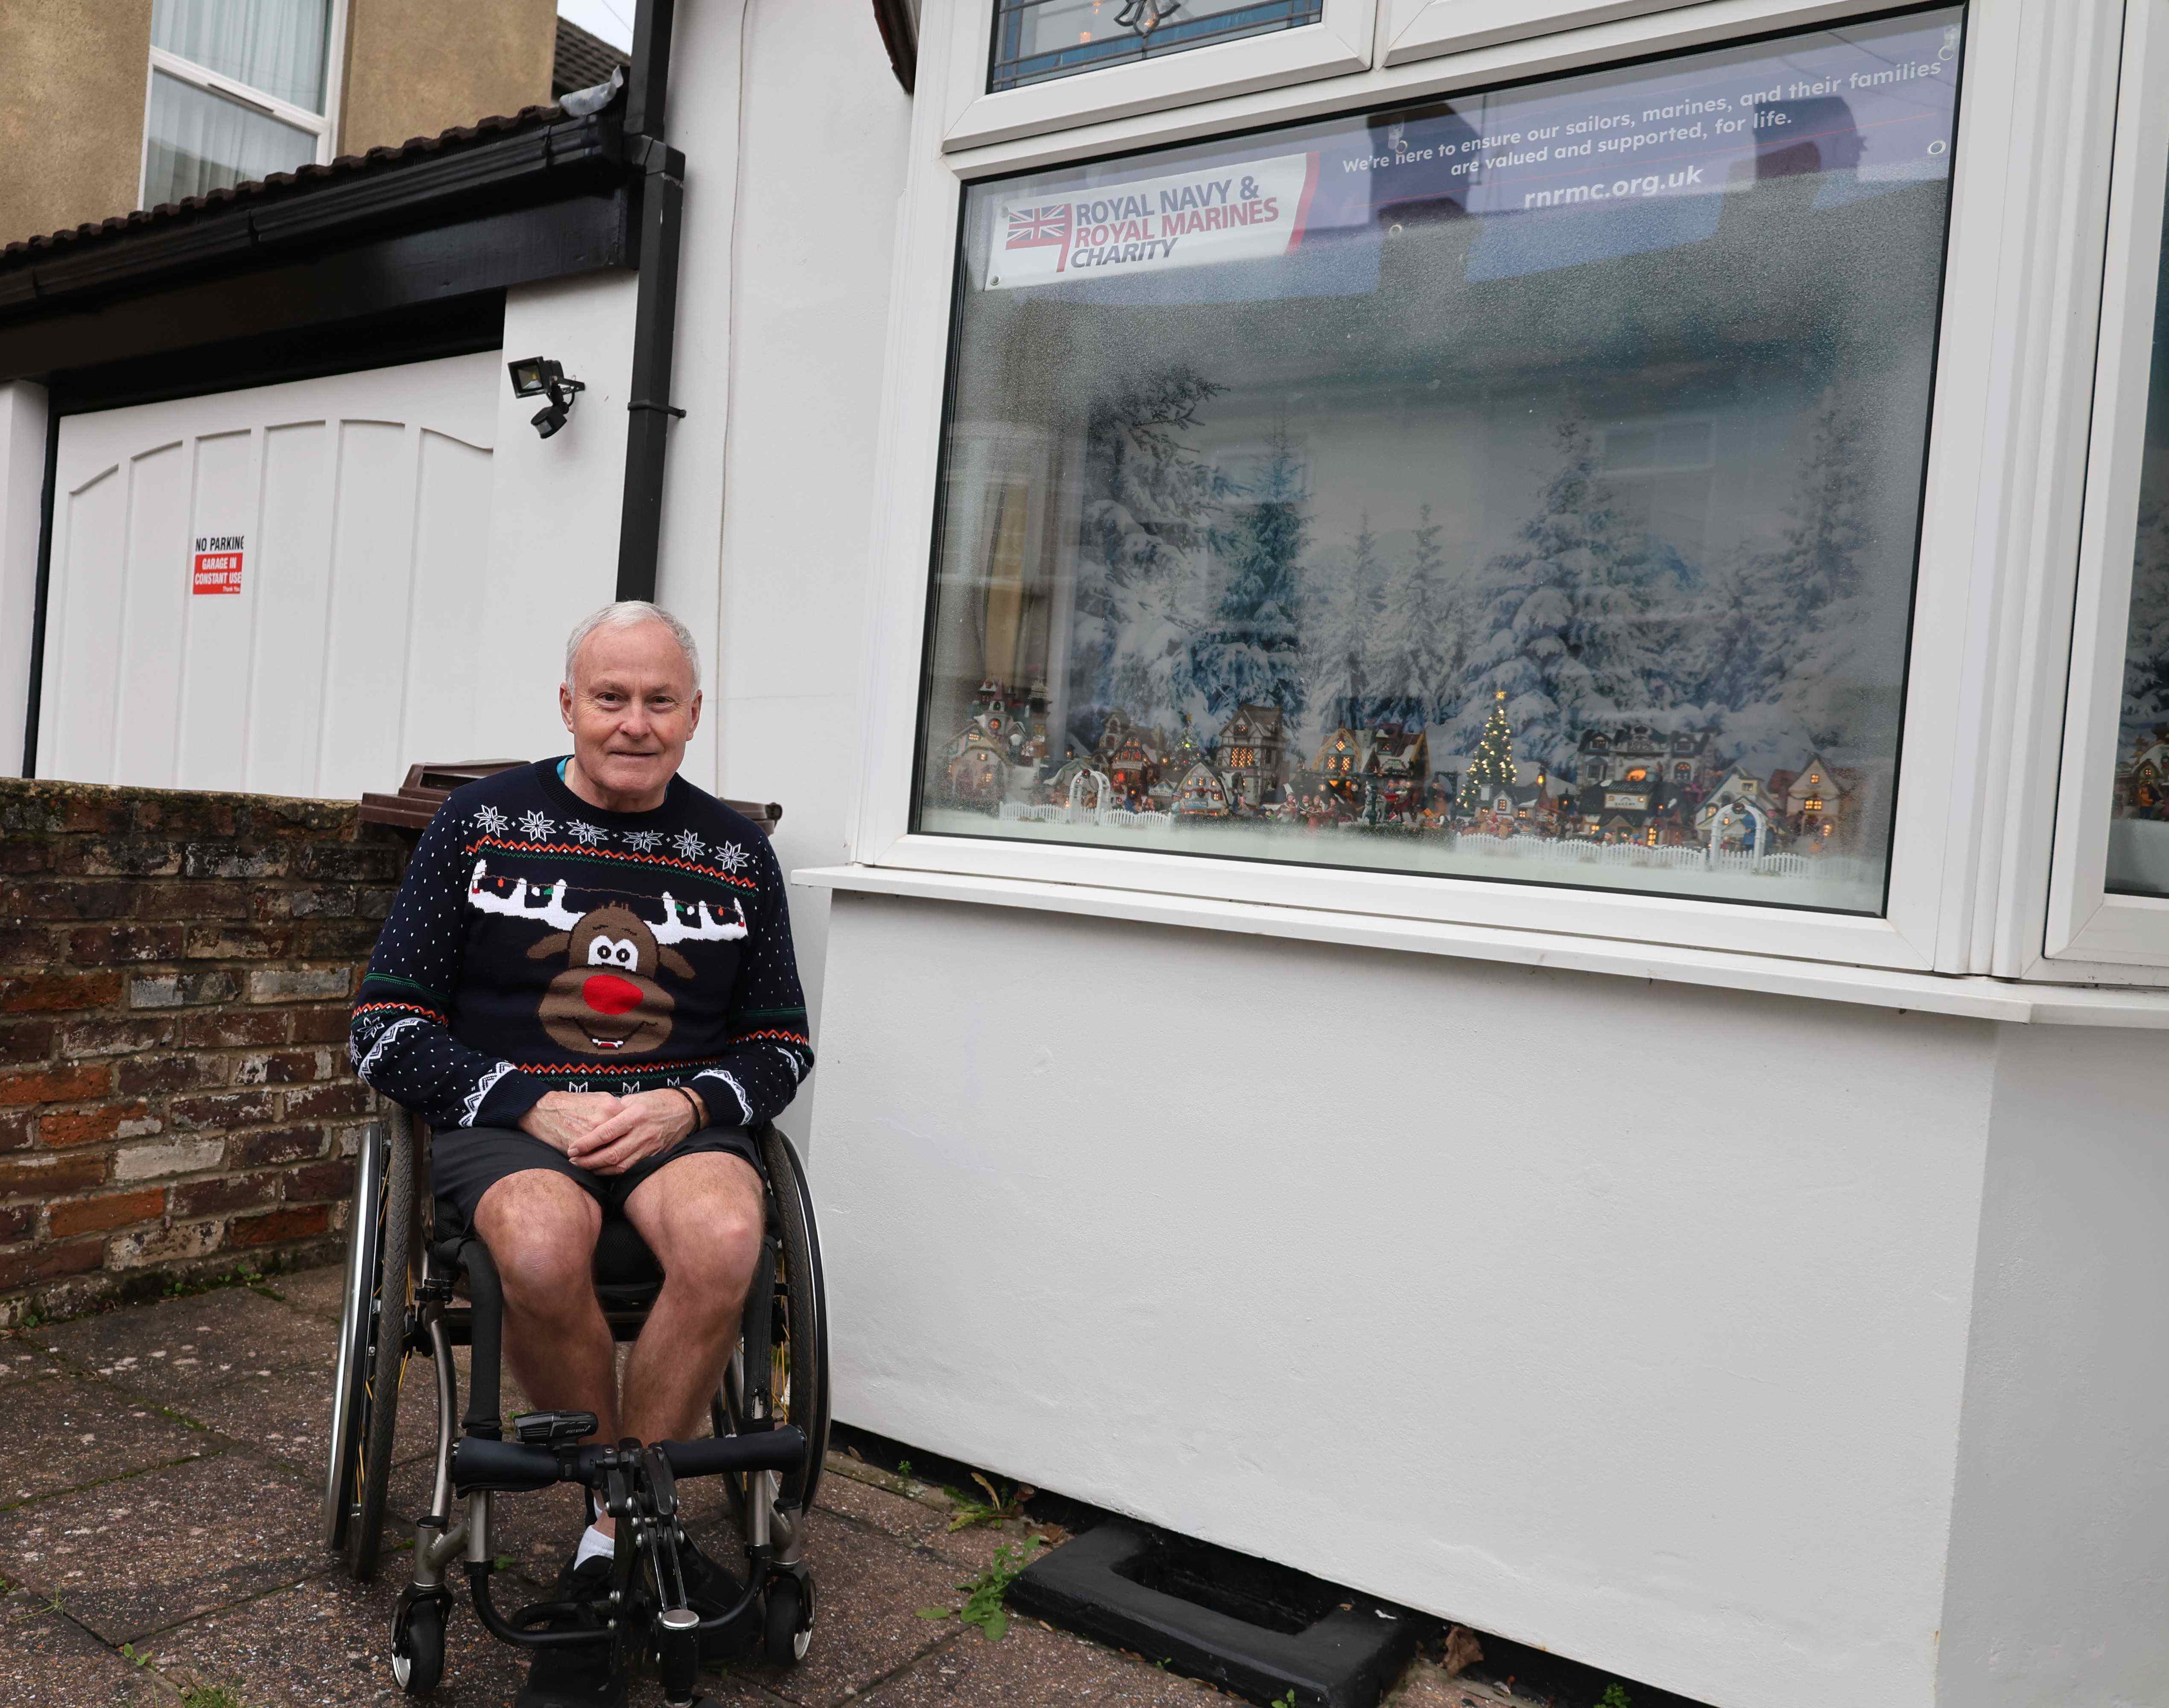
x=175, y=972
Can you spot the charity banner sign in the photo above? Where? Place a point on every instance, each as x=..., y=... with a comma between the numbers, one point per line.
x=216, y=565
x=1251, y=212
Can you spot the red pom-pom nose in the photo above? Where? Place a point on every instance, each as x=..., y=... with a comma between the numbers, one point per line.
x=608, y=995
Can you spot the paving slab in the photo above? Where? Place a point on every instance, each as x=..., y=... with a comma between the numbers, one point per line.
x=151, y=1550
x=49, y=1661
x=65, y=1431
x=1032, y=1666
x=535, y=1532
x=23, y=1359
x=321, y=1292
x=179, y=1349
x=849, y=1489
x=866, y=1624
x=328, y=1642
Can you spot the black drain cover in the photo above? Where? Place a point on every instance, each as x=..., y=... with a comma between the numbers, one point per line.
x=1246, y=1625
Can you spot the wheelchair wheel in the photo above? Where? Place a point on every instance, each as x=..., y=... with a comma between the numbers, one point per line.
x=798, y=1383
x=372, y=1353
x=787, y=1621
x=418, y=1654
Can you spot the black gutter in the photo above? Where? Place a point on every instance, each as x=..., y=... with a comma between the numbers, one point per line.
x=655, y=320
x=42, y=597
x=489, y=175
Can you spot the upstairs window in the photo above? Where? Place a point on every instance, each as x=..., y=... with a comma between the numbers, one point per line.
x=1496, y=445
x=239, y=89
x=1038, y=39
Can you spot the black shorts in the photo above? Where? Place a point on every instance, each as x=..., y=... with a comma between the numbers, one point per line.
x=466, y=1161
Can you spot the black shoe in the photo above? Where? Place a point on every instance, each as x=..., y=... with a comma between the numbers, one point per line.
x=581, y=1675
x=710, y=1590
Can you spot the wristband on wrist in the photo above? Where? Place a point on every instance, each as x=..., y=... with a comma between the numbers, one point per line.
x=699, y=1114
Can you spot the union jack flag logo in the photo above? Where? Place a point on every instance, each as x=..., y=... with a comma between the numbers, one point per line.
x=1039, y=227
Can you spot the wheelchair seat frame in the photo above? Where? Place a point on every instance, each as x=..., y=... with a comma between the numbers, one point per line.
x=770, y=1417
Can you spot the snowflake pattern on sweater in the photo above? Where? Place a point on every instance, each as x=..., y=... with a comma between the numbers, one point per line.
x=515, y=963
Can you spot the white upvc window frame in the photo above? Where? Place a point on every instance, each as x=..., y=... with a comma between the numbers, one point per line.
x=2086, y=923
x=2034, y=69
x=1340, y=41
x=324, y=125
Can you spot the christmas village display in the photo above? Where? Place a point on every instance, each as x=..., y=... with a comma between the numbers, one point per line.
x=1584, y=695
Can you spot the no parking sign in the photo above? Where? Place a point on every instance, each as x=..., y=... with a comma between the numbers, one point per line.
x=217, y=563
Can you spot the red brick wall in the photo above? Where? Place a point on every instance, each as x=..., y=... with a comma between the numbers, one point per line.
x=175, y=970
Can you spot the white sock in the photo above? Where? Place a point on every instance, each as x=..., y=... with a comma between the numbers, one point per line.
x=593, y=1542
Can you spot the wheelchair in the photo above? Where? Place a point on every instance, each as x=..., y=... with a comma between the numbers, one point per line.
x=769, y=1416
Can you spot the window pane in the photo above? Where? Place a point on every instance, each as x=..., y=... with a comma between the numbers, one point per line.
x=1036, y=40
x=2139, y=834
x=1525, y=485
x=200, y=141
x=275, y=46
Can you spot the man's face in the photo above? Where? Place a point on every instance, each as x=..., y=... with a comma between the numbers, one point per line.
x=632, y=707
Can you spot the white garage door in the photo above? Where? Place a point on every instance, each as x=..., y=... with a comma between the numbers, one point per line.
x=270, y=589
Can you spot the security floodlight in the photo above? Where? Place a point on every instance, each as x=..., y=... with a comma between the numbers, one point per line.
x=537, y=376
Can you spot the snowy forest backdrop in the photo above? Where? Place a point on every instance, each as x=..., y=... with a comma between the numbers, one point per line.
x=1197, y=592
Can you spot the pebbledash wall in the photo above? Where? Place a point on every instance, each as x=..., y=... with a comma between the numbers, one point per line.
x=175, y=972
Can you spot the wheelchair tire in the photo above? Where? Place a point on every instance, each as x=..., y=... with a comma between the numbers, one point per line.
x=804, y=1345
x=386, y=1359
x=350, y=1378
x=787, y=1621
x=417, y=1671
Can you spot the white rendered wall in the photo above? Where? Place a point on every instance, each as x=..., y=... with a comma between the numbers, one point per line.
x=1627, y=1320
x=554, y=505
x=22, y=487
x=783, y=306
x=2059, y=1538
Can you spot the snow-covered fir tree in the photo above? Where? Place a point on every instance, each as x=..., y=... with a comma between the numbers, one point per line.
x=1423, y=648
x=1342, y=597
x=1569, y=636
x=1249, y=652
x=1835, y=654
x=2146, y=651
x=1150, y=500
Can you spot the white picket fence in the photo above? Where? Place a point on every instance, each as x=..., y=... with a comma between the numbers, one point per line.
x=1116, y=818
x=1572, y=850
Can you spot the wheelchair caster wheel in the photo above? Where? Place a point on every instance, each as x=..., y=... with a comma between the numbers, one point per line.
x=787, y=1625
x=418, y=1651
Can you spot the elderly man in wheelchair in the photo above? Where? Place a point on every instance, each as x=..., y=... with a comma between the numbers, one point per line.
x=585, y=988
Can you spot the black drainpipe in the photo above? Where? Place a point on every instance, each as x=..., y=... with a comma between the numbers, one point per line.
x=655, y=323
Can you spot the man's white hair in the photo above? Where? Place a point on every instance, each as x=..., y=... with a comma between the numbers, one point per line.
x=630, y=613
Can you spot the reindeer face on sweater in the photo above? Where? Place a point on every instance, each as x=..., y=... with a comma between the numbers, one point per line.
x=607, y=1001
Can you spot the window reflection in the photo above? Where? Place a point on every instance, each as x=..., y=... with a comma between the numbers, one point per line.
x=1524, y=485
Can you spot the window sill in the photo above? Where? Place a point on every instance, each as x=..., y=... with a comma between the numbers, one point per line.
x=1967, y=997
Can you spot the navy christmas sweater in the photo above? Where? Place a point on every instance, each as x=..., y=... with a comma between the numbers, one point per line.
x=538, y=944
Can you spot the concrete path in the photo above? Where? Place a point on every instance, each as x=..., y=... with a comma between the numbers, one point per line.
x=160, y=1470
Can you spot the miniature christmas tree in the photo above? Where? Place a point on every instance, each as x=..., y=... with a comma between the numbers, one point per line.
x=1492, y=765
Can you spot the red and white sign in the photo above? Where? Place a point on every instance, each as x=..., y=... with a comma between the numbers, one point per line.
x=1247, y=213
x=217, y=567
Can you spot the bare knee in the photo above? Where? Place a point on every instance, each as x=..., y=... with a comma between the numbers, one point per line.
x=705, y=1228
x=541, y=1229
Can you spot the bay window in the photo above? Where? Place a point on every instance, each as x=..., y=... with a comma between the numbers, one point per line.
x=1541, y=465
x=1600, y=483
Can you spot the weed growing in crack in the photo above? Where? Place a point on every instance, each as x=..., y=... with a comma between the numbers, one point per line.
x=984, y=1595
x=997, y=1508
